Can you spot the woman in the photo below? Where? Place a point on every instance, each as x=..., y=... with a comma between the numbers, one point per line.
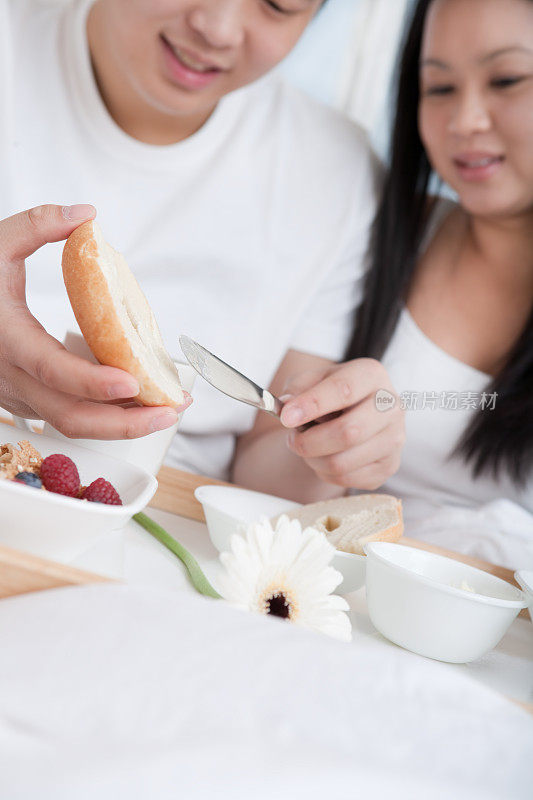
x=448, y=299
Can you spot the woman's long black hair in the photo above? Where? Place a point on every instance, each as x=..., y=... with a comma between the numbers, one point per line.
x=496, y=439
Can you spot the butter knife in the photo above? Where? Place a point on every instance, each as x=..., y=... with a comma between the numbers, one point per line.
x=227, y=379
x=230, y=381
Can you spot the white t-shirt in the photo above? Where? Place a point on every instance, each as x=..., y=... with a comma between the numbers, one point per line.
x=442, y=501
x=249, y=236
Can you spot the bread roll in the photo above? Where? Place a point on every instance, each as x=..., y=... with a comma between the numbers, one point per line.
x=114, y=316
x=351, y=522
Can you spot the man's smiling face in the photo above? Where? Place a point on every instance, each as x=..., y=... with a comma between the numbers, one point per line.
x=181, y=56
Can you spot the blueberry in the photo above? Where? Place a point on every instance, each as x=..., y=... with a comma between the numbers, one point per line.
x=29, y=479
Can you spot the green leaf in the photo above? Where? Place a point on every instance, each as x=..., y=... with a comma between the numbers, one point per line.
x=198, y=579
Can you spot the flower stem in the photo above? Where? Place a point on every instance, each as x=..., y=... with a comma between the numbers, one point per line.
x=198, y=579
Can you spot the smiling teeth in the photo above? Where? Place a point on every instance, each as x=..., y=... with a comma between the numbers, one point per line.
x=483, y=162
x=190, y=62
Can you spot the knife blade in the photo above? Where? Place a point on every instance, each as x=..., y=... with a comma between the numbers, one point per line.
x=227, y=379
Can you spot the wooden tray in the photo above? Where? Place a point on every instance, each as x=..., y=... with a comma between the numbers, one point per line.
x=176, y=495
x=21, y=573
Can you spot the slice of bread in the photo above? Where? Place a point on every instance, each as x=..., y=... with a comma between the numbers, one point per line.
x=351, y=522
x=115, y=318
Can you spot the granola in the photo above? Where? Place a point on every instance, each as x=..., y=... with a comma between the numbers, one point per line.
x=24, y=458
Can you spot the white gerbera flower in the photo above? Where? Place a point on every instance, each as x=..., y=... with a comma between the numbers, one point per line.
x=286, y=572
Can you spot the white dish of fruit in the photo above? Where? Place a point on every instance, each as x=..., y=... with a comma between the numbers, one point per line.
x=58, y=499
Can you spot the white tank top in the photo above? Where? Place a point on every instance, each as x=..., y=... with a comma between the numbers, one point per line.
x=443, y=503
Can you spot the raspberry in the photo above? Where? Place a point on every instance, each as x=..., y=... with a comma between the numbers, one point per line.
x=59, y=474
x=101, y=491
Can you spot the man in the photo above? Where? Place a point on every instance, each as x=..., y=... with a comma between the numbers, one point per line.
x=241, y=205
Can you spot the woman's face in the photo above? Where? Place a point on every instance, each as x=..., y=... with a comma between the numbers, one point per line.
x=182, y=56
x=476, y=101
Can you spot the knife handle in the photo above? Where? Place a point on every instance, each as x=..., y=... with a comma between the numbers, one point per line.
x=275, y=408
x=278, y=405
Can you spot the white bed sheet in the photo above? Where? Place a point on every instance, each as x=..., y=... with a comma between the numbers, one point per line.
x=116, y=691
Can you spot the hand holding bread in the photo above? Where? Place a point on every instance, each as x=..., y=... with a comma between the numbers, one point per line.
x=39, y=379
x=355, y=445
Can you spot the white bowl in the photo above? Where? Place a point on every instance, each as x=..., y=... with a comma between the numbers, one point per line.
x=227, y=508
x=525, y=579
x=414, y=600
x=58, y=527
